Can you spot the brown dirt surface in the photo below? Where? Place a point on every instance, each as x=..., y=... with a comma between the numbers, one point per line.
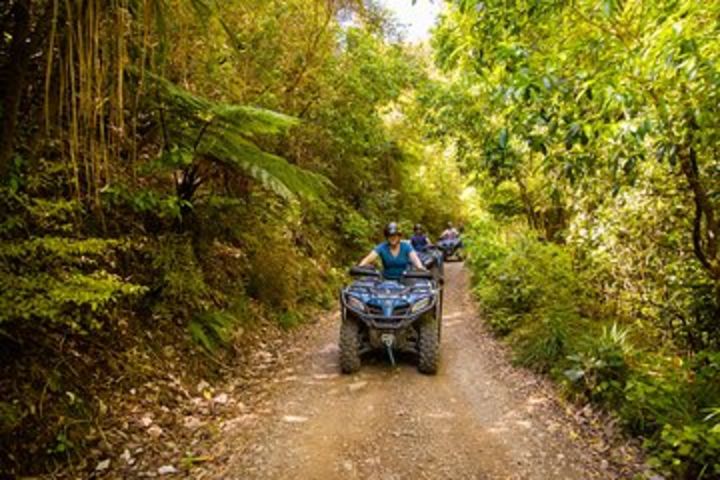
x=478, y=418
x=291, y=415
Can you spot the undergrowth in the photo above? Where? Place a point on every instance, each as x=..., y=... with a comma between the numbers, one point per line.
x=538, y=296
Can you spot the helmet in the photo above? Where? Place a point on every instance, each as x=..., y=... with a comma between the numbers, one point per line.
x=449, y=225
x=392, y=229
x=417, y=228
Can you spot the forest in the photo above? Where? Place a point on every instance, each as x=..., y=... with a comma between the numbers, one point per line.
x=177, y=173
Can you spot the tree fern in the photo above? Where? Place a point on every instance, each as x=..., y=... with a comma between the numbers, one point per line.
x=225, y=134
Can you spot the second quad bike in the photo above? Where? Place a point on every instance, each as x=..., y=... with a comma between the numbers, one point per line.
x=450, y=247
x=396, y=315
x=432, y=258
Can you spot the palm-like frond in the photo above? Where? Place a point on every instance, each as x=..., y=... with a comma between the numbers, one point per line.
x=225, y=134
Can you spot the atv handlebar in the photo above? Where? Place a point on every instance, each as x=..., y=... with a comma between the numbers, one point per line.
x=358, y=271
x=425, y=274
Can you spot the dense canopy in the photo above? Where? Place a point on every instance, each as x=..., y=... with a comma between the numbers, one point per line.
x=173, y=171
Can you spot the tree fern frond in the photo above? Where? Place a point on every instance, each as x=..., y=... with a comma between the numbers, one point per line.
x=257, y=120
x=272, y=171
x=243, y=119
x=223, y=133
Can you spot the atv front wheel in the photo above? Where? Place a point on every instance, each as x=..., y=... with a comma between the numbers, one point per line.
x=429, y=346
x=349, y=345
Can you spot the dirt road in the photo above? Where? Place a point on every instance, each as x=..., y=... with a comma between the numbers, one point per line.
x=478, y=418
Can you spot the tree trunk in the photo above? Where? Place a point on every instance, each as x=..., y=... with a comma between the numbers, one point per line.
x=12, y=77
x=530, y=213
x=706, y=230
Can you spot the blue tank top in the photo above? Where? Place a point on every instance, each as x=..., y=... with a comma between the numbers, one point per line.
x=394, y=266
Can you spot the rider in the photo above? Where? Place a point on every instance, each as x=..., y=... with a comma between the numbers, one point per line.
x=419, y=240
x=450, y=232
x=396, y=255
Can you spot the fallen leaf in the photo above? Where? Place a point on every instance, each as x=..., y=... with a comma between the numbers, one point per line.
x=167, y=469
x=354, y=387
x=202, y=386
x=294, y=419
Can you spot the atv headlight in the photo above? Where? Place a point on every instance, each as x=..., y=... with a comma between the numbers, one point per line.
x=420, y=304
x=355, y=303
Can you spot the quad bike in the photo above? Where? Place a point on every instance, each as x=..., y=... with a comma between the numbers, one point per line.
x=396, y=315
x=450, y=247
x=432, y=258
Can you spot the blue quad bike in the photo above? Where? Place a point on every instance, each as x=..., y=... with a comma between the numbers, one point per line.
x=433, y=258
x=450, y=247
x=395, y=315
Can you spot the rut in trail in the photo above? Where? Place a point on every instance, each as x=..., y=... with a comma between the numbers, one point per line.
x=478, y=418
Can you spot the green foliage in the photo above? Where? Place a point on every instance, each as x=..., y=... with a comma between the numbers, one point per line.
x=674, y=404
x=146, y=201
x=540, y=344
x=689, y=451
x=589, y=123
x=61, y=281
x=180, y=279
x=276, y=271
x=530, y=281
x=657, y=395
x=356, y=231
x=217, y=161
x=600, y=367
x=531, y=292
x=199, y=129
x=212, y=329
x=11, y=416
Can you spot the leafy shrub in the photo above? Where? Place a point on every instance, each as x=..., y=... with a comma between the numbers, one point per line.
x=705, y=385
x=212, y=329
x=182, y=286
x=356, y=230
x=62, y=281
x=599, y=369
x=674, y=404
x=527, y=282
x=656, y=394
x=541, y=344
x=689, y=450
x=483, y=245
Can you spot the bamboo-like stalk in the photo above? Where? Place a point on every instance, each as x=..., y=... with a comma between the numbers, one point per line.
x=74, y=135
x=49, y=64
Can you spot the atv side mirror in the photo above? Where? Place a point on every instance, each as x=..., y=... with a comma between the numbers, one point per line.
x=423, y=274
x=357, y=271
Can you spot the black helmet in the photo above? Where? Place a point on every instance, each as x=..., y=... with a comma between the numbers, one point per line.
x=392, y=229
x=418, y=228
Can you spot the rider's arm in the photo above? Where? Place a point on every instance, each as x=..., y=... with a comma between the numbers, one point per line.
x=416, y=261
x=369, y=259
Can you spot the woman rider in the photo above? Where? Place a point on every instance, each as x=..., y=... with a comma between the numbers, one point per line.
x=419, y=240
x=396, y=255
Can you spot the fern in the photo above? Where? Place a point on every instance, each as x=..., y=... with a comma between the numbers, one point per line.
x=225, y=134
x=212, y=329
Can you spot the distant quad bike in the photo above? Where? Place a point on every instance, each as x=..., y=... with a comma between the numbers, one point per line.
x=396, y=315
x=450, y=247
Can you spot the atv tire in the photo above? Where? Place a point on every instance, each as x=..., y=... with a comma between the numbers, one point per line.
x=349, y=346
x=429, y=346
